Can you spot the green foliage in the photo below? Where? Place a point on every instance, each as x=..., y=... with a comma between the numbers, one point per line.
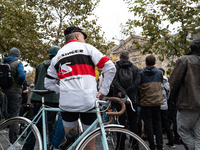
x=166, y=24
x=33, y=26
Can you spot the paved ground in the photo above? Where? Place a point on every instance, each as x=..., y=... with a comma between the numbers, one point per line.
x=166, y=147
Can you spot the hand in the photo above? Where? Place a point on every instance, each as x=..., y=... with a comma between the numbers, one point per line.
x=25, y=91
x=120, y=94
x=100, y=96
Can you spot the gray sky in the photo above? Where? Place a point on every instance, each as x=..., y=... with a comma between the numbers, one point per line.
x=111, y=14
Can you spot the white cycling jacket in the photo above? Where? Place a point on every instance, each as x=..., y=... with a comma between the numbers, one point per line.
x=74, y=66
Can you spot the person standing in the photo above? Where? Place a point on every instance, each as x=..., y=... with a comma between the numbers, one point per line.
x=164, y=110
x=130, y=89
x=151, y=98
x=50, y=100
x=13, y=93
x=74, y=65
x=185, y=93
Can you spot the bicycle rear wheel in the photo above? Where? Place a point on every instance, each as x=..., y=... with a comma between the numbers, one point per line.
x=117, y=138
x=22, y=123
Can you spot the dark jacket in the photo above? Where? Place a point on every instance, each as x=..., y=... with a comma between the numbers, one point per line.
x=131, y=91
x=151, y=91
x=185, y=83
x=41, y=71
x=17, y=72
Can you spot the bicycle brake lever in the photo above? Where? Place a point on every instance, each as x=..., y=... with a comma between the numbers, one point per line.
x=128, y=99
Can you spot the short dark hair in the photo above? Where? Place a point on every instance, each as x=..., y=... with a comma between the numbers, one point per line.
x=124, y=54
x=150, y=60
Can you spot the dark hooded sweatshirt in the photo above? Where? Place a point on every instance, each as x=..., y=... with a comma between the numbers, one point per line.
x=131, y=91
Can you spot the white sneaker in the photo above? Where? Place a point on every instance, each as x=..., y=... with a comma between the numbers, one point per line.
x=15, y=147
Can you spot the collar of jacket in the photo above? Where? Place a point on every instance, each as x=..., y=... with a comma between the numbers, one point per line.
x=72, y=41
x=194, y=53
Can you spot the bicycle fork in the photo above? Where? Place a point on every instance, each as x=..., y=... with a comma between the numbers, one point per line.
x=103, y=133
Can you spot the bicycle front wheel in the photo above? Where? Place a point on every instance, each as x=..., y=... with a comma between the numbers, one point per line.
x=14, y=128
x=117, y=138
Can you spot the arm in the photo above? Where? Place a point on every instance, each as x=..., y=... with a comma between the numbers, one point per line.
x=176, y=79
x=108, y=68
x=51, y=79
x=21, y=73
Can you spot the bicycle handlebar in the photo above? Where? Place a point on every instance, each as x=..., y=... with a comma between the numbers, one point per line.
x=115, y=99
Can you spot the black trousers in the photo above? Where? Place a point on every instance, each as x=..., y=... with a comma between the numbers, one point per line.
x=152, y=123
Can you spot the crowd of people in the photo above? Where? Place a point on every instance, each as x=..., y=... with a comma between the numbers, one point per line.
x=158, y=101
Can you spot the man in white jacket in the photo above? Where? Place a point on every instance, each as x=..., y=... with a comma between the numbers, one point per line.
x=74, y=66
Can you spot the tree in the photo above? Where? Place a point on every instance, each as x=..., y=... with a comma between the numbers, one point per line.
x=30, y=76
x=36, y=25
x=167, y=24
x=18, y=28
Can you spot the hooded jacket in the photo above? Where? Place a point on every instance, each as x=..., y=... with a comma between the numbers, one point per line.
x=41, y=71
x=131, y=91
x=166, y=92
x=17, y=72
x=151, y=91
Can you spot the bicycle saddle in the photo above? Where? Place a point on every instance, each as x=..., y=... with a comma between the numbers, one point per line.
x=42, y=92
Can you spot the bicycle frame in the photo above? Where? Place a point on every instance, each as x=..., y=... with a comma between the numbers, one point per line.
x=98, y=121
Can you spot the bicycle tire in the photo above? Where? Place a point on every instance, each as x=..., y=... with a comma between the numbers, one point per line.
x=111, y=134
x=5, y=128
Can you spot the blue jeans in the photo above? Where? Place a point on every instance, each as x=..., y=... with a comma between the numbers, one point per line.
x=14, y=105
x=152, y=123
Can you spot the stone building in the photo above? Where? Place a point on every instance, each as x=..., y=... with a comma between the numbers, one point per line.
x=135, y=56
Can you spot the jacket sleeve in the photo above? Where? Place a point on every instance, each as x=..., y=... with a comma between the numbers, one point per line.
x=21, y=73
x=136, y=82
x=109, y=73
x=103, y=62
x=176, y=79
x=51, y=79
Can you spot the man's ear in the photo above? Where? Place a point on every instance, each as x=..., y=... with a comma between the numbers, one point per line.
x=77, y=36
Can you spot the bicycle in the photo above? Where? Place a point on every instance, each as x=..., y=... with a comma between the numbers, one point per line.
x=105, y=135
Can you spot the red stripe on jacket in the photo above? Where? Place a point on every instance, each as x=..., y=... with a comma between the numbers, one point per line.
x=82, y=69
x=102, y=62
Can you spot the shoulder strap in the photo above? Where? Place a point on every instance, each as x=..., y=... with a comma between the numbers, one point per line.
x=12, y=61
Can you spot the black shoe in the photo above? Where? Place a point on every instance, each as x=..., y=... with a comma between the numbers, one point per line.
x=70, y=138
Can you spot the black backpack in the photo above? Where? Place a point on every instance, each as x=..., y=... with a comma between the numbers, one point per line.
x=126, y=76
x=6, y=79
